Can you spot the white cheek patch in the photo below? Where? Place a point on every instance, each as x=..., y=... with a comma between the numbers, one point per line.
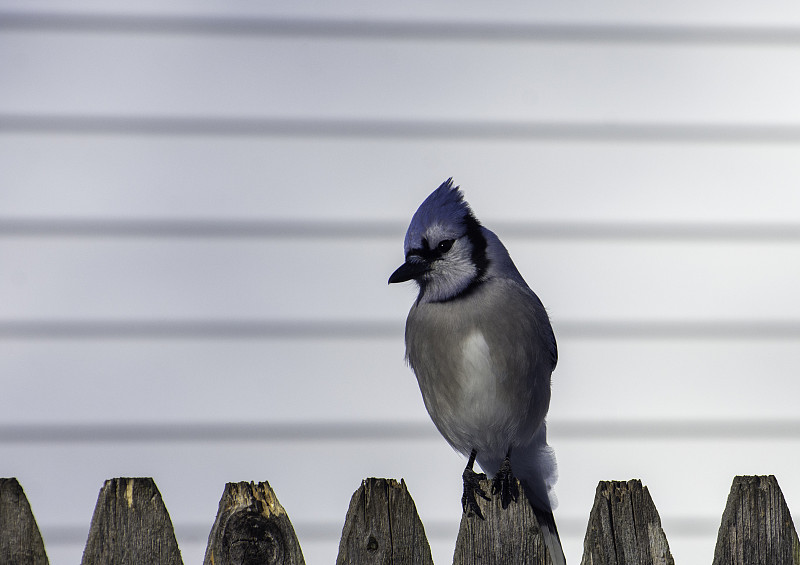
x=452, y=273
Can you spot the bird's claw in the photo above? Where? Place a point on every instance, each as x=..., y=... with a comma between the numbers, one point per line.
x=472, y=487
x=505, y=483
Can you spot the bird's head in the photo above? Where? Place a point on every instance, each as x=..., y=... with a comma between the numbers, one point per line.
x=445, y=247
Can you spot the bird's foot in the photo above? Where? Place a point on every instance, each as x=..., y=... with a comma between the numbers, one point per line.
x=505, y=483
x=472, y=487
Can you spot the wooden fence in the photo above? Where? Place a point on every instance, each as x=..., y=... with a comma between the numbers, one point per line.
x=131, y=526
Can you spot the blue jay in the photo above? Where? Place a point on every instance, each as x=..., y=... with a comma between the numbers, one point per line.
x=482, y=348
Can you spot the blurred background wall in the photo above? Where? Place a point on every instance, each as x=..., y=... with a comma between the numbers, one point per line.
x=201, y=203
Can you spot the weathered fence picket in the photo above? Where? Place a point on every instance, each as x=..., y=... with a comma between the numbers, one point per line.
x=131, y=525
x=624, y=527
x=20, y=540
x=382, y=527
x=252, y=527
x=510, y=535
x=756, y=527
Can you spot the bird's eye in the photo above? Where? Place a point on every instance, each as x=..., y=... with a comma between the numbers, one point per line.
x=444, y=246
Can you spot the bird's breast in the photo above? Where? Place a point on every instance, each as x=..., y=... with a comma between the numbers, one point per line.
x=482, y=366
x=477, y=378
x=462, y=388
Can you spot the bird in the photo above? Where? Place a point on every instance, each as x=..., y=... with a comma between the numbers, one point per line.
x=483, y=350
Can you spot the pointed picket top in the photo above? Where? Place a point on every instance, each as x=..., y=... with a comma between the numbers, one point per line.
x=382, y=527
x=756, y=527
x=20, y=540
x=131, y=526
x=252, y=527
x=624, y=527
x=505, y=535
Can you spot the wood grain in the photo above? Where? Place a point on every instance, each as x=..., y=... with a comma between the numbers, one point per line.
x=756, y=527
x=20, y=540
x=624, y=527
x=510, y=535
x=131, y=526
x=252, y=528
x=382, y=527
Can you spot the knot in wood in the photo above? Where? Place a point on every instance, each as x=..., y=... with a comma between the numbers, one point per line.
x=252, y=539
x=372, y=544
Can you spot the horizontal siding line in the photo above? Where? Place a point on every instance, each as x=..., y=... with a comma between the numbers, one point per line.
x=69, y=534
x=200, y=329
x=203, y=229
x=149, y=125
x=179, y=433
x=302, y=229
x=198, y=533
x=679, y=330
x=383, y=30
x=338, y=329
x=307, y=531
x=566, y=430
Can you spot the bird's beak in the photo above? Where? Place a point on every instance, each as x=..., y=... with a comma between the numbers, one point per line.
x=411, y=269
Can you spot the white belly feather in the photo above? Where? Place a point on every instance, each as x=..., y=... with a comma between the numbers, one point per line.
x=478, y=380
x=480, y=412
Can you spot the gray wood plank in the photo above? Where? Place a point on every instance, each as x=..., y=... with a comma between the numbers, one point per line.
x=382, y=527
x=131, y=526
x=756, y=528
x=20, y=540
x=510, y=535
x=252, y=527
x=624, y=527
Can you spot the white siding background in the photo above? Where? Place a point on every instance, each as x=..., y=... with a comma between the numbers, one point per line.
x=201, y=202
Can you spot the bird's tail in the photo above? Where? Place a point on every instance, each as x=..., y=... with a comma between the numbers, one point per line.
x=538, y=474
x=550, y=535
x=535, y=465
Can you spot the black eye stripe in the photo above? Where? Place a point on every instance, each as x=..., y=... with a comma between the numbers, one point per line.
x=431, y=254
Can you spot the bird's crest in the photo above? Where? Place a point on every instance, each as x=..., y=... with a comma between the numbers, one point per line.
x=444, y=207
